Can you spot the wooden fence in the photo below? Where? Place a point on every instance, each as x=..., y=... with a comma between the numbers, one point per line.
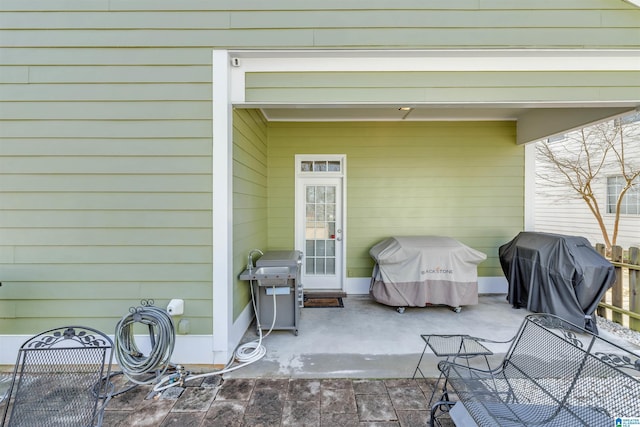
x=621, y=303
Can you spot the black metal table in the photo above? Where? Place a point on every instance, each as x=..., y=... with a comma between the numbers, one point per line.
x=451, y=347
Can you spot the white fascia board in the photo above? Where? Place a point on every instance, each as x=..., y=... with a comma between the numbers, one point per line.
x=439, y=60
x=426, y=60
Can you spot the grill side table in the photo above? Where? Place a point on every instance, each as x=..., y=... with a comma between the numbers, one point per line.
x=451, y=347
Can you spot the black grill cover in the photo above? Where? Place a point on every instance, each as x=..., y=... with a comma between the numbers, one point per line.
x=556, y=274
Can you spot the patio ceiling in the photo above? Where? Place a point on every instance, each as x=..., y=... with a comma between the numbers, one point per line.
x=533, y=122
x=391, y=113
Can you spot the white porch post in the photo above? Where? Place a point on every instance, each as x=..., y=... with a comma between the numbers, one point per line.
x=222, y=208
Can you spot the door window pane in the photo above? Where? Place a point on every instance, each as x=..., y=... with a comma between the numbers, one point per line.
x=331, y=248
x=311, y=248
x=330, y=194
x=310, y=230
x=311, y=211
x=331, y=212
x=311, y=194
x=310, y=265
x=306, y=166
x=321, y=166
x=330, y=266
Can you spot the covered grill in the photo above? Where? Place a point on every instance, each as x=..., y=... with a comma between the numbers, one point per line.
x=416, y=271
x=556, y=274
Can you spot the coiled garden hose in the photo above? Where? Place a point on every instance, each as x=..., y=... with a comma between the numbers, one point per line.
x=137, y=367
x=133, y=363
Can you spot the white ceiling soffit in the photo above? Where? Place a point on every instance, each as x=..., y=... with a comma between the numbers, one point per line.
x=466, y=112
x=390, y=113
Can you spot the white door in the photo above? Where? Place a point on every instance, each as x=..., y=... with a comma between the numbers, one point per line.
x=319, y=230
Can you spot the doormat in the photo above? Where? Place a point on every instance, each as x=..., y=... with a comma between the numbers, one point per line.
x=323, y=302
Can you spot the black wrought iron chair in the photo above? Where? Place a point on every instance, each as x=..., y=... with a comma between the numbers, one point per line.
x=61, y=378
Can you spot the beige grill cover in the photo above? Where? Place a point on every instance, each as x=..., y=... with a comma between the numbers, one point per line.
x=415, y=271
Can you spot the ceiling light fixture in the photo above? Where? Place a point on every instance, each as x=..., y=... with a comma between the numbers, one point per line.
x=407, y=111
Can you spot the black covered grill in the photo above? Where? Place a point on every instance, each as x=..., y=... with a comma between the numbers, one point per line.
x=556, y=274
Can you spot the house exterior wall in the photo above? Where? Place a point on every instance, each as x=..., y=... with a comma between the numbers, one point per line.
x=464, y=180
x=105, y=142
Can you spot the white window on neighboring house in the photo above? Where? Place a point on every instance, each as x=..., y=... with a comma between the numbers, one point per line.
x=630, y=202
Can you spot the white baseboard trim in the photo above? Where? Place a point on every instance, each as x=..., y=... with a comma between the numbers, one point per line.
x=238, y=330
x=493, y=285
x=486, y=285
x=188, y=350
x=9, y=345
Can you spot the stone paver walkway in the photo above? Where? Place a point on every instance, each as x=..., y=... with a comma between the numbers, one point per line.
x=213, y=401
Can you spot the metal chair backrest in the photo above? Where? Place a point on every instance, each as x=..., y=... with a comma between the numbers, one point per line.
x=61, y=378
x=573, y=366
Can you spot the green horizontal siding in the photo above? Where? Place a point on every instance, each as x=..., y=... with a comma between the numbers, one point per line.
x=141, y=110
x=445, y=79
x=329, y=38
x=106, y=56
x=107, y=92
x=105, y=187
x=326, y=24
x=279, y=5
x=114, y=165
x=95, y=146
x=100, y=219
x=129, y=254
x=473, y=18
x=464, y=180
x=443, y=86
x=249, y=195
x=128, y=201
x=111, y=74
x=30, y=325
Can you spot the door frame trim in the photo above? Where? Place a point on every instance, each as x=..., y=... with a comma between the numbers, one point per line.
x=298, y=207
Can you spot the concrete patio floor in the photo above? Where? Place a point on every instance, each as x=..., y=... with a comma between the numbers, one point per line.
x=366, y=339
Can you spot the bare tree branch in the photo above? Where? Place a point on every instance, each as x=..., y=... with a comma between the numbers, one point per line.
x=578, y=161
